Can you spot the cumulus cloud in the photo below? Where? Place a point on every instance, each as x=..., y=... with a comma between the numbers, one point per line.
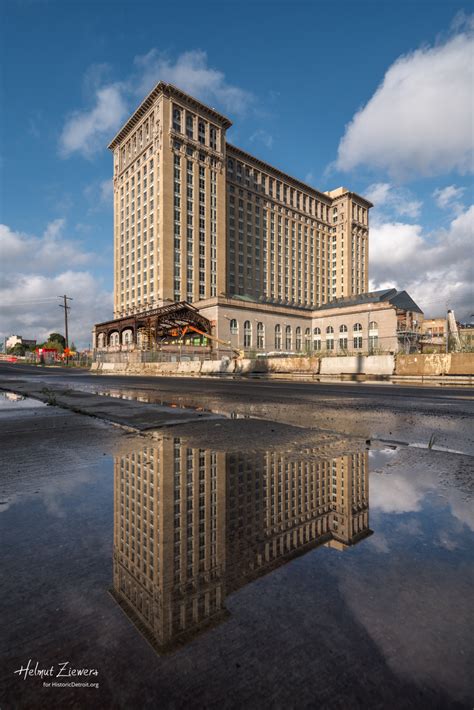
x=30, y=285
x=45, y=254
x=449, y=197
x=436, y=268
x=398, y=200
x=89, y=130
x=419, y=121
x=192, y=73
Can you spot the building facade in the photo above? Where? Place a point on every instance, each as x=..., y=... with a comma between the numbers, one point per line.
x=378, y=322
x=264, y=258
x=197, y=218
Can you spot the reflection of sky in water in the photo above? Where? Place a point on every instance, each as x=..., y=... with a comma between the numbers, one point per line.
x=396, y=606
x=12, y=401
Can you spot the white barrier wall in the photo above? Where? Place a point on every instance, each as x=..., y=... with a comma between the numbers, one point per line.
x=350, y=365
x=358, y=365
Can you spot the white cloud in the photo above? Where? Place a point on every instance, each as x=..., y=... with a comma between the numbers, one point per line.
x=449, y=197
x=389, y=198
x=45, y=254
x=100, y=194
x=435, y=269
x=87, y=131
x=191, y=73
x=420, y=118
x=263, y=137
x=35, y=271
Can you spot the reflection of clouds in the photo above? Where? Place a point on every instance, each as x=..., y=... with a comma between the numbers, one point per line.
x=379, y=542
x=410, y=477
x=54, y=493
x=410, y=527
x=462, y=509
x=446, y=541
x=395, y=493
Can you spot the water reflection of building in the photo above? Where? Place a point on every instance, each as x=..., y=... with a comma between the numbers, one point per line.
x=193, y=525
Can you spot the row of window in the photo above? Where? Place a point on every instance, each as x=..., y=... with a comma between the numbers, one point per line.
x=309, y=343
x=188, y=124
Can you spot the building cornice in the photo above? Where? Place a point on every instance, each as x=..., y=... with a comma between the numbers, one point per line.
x=284, y=176
x=170, y=91
x=353, y=196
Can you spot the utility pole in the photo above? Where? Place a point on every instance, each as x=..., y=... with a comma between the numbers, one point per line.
x=66, y=309
x=447, y=332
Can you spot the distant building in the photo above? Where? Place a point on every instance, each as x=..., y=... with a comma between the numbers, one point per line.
x=434, y=330
x=466, y=334
x=18, y=339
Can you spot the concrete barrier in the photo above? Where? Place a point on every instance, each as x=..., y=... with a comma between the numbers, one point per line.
x=379, y=365
x=287, y=364
x=461, y=364
x=435, y=364
x=350, y=365
x=243, y=366
x=192, y=367
x=416, y=365
x=218, y=367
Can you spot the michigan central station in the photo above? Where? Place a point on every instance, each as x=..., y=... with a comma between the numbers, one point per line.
x=215, y=248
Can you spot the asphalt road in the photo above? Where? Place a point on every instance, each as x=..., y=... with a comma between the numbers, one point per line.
x=423, y=397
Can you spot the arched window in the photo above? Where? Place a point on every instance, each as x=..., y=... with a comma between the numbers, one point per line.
x=234, y=327
x=126, y=337
x=329, y=338
x=357, y=339
x=260, y=336
x=114, y=339
x=317, y=331
x=101, y=340
x=373, y=336
x=343, y=328
x=278, y=337
x=307, y=339
x=298, y=338
x=288, y=338
x=247, y=334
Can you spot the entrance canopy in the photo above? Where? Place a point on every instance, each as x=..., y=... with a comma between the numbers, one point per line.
x=159, y=323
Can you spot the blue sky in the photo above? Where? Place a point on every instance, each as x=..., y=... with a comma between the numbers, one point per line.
x=371, y=95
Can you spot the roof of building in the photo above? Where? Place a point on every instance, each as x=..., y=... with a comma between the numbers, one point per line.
x=168, y=89
x=399, y=299
x=329, y=195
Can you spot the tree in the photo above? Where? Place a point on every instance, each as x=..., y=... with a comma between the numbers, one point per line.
x=18, y=349
x=53, y=345
x=57, y=338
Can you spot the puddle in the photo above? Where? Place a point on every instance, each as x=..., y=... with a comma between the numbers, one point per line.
x=12, y=401
x=190, y=575
x=178, y=403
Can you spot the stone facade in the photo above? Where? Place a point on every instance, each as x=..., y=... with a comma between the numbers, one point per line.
x=258, y=327
x=195, y=217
